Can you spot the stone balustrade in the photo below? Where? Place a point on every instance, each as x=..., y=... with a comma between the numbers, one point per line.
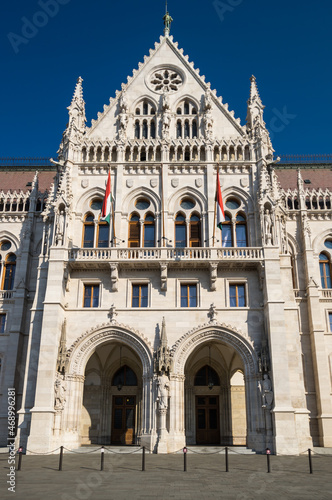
x=6, y=294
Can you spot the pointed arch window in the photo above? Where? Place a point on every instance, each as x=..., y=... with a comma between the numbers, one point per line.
x=205, y=376
x=137, y=130
x=186, y=129
x=180, y=231
x=241, y=231
x=145, y=130
x=145, y=108
x=134, y=231
x=194, y=127
x=149, y=231
x=124, y=376
x=195, y=231
x=186, y=108
x=226, y=232
x=9, y=272
x=88, y=231
x=103, y=234
x=178, y=129
x=325, y=271
x=153, y=130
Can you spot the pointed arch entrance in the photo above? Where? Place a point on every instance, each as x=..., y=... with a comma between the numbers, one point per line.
x=221, y=405
x=109, y=380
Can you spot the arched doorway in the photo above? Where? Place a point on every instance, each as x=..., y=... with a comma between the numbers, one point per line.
x=112, y=396
x=215, y=403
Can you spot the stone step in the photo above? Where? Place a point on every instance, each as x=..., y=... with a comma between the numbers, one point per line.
x=321, y=450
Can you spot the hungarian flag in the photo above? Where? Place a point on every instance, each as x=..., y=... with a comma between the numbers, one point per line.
x=220, y=205
x=108, y=200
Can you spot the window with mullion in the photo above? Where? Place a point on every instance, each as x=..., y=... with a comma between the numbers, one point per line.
x=237, y=296
x=188, y=295
x=91, y=296
x=140, y=296
x=103, y=235
x=226, y=233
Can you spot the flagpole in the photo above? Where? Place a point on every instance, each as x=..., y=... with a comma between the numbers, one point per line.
x=113, y=222
x=215, y=207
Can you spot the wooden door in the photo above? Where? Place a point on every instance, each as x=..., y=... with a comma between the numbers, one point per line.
x=207, y=420
x=123, y=420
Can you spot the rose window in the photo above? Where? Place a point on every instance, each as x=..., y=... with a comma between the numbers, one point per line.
x=166, y=81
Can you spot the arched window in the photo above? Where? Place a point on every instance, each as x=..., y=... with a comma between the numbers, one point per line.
x=149, y=231
x=226, y=232
x=205, y=376
x=195, y=231
x=88, y=231
x=153, y=130
x=186, y=108
x=137, y=131
x=178, y=129
x=186, y=129
x=103, y=234
x=9, y=272
x=180, y=231
x=241, y=231
x=194, y=134
x=325, y=271
x=134, y=231
x=145, y=108
x=145, y=130
x=124, y=376
x=187, y=154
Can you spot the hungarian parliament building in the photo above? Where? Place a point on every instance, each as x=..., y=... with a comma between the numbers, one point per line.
x=154, y=326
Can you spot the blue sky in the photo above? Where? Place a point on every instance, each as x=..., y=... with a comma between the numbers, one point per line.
x=285, y=44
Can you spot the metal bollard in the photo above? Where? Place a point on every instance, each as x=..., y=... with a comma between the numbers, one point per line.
x=20, y=451
x=185, y=459
x=268, y=453
x=102, y=454
x=226, y=458
x=61, y=458
x=310, y=461
x=143, y=459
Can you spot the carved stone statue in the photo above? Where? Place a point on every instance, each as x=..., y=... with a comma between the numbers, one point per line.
x=207, y=100
x=163, y=391
x=212, y=313
x=123, y=116
x=265, y=388
x=166, y=124
x=208, y=123
x=112, y=313
x=167, y=22
x=59, y=395
x=59, y=228
x=267, y=227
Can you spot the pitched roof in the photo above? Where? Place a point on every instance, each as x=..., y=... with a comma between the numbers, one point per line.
x=320, y=178
x=17, y=179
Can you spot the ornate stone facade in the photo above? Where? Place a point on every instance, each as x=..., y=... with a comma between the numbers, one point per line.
x=84, y=305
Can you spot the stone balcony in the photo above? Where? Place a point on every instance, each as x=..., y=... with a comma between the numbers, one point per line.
x=247, y=257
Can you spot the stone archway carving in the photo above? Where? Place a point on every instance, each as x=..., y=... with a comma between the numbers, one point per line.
x=182, y=349
x=84, y=346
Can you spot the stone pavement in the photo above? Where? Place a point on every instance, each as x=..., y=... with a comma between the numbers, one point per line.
x=164, y=478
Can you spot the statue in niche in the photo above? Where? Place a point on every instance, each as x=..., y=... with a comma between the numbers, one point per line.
x=59, y=228
x=267, y=227
x=166, y=123
x=163, y=391
x=265, y=388
x=59, y=395
x=208, y=122
x=123, y=116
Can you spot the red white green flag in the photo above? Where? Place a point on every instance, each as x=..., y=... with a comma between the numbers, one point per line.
x=220, y=205
x=108, y=200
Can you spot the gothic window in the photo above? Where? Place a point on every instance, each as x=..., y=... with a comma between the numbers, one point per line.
x=186, y=129
x=145, y=130
x=91, y=296
x=178, y=129
x=2, y=323
x=186, y=108
x=241, y=231
x=88, y=231
x=194, y=129
x=153, y=130
x=226, y=232
x=195, y=231
x=137, y=112
x=140, y=296
x=143, y=154
x=103, y=234
x=134, y=231
x=9, y=272
x=178, y=111
x=145, y=108
x=188, y=295
x=124, y=376
x=187, y=154
x=206, y=376
x=180, y=231
x=325, y=271
x=149, y=231
x=237, y=295
x=137, y=130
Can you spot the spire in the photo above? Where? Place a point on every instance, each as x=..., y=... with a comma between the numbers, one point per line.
x=163, y=336
x=254, y=94
x=163, y=359
x=167, y=21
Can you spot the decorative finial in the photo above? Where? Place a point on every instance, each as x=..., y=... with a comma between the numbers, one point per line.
x=167, y=22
